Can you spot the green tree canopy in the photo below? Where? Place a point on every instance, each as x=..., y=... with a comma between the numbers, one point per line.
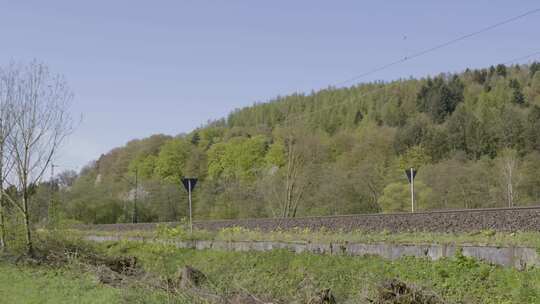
x=172, y=159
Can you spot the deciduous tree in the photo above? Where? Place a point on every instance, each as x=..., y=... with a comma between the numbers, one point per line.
x=8, y=94
x=510, y=177
x=42, y=122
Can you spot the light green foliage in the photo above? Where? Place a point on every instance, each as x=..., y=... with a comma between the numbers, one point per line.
x=215, y=155
x=397, y=197
x=240, y=158
x=276, y=155
x=250, y=157
x=145, y=165
x=415, y=157
x=172, y=159
x=114, y=165
x=209, y=136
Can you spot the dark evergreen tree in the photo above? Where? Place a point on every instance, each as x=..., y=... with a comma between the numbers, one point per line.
x=517, y=94
x=501, y=70
x=195, y=138
x=479, y=76
x=439, y=98
x=533, y=68
x=492, y=71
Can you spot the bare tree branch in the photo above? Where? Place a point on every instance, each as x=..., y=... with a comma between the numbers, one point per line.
x=42, y=121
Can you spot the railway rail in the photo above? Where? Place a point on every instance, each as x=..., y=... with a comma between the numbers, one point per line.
x=451, y=221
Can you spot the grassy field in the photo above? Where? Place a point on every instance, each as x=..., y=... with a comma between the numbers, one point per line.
x=276, y=276
x=68, y=285
x=290, y=278
x=29, y=285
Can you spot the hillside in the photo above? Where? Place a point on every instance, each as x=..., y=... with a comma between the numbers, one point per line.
x=473, y=137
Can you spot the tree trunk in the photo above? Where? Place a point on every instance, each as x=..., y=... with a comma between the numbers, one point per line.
x=26, y=215
x=510, y=195
x=2, y=218
x=511, y=187
x=288, y=186
x=2, y=222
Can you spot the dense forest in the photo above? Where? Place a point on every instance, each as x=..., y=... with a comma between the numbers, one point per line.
x=474, y=138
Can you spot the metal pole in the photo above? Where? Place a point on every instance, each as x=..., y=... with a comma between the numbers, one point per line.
x=134, y=219
x=412, y=190
x=190, y=214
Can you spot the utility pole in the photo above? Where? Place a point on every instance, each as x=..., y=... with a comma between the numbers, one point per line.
x=135, y=219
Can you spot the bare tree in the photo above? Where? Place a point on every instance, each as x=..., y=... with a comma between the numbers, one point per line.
x=294, y=185
x=7, y=78
x=508, y=163
x=285, y=188
x=41, y=124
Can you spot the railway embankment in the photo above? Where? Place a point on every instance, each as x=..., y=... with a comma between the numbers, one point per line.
x=495, y=235
x=448, y=221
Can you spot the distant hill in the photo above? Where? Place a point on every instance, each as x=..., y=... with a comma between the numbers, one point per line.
x=474, y=137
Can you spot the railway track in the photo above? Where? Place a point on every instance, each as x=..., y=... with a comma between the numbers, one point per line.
x=462, y=220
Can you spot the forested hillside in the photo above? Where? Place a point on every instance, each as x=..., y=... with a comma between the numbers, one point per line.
x=474, y=137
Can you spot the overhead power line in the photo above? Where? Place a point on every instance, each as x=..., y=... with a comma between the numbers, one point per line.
x=522, y=58
x=421, y=53
x=439, y=46
x=376, y=90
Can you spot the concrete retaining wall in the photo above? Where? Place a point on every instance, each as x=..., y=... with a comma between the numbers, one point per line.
x=518, y=257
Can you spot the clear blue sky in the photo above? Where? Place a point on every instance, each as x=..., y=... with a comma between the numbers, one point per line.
x=143, y=67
